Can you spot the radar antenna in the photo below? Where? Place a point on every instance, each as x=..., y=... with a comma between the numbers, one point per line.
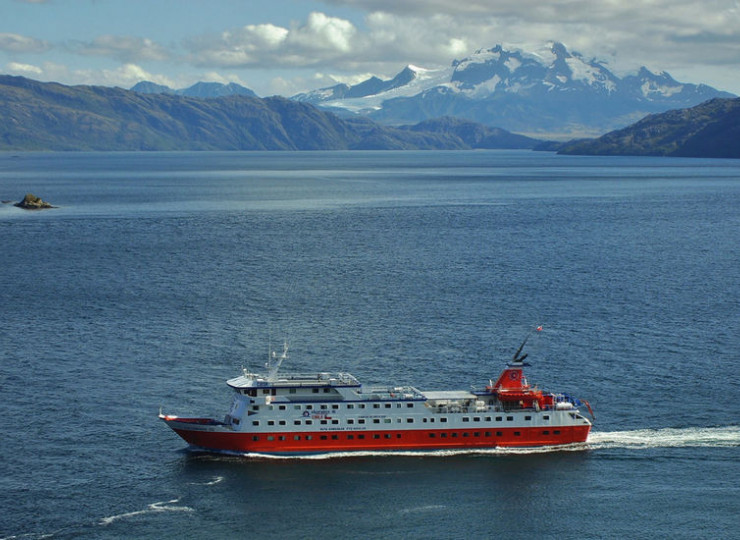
x=517, y=359
x=273, y=364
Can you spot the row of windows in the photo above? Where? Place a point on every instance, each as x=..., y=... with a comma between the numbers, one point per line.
x=351, y=421
x=361, y=436
x=334, y=407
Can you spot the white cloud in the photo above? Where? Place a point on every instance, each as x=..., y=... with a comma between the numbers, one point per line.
x=16, y=43
x=27, y=70
x=123, y=48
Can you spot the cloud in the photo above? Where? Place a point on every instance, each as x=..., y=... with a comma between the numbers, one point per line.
x=17, y=68
x=320, y=40
x=16, y=43
x=122, y=48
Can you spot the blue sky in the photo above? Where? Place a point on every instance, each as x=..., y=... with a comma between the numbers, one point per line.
x=287, y=46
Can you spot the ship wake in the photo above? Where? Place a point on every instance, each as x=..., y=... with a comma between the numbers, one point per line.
x=713, y=437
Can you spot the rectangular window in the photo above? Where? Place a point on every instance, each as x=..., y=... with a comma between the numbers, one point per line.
x=326, y=390
x=282, y=422
x=499, y=419
x=546, y=432
x=297, y=407
x=350, y=421
x=309, y=422
x=376, y=405
x=271, y=422
x=387, y=405
x=387, y=421
x=350, y=406
x=255, y=422
x=476, y=419
x=296, y=437
x=315, y=390
x=281, y=407
x=323, y=437
x=335, y=422
x=309, y=437
x=488, y=418
x=499, y=434
x=361, y=421
x=376, y=436
x=509, y=418
x=454, y=434
x=350, y=437
x=255, y=438
x=270, y=438
x=296, y=422
x=362, y=405
x=360, y=436
x=488, y=433
x=546, y=417
x=466, y=419
x=443, y=419
x=556, y=432
x=432, y=435
x=292, y=390
x=443, y=435
x=527, y=417
x=323, y=422
x=324, y=407
x=376, y=420
x=335, y=407
x=409, y=420
x=476, y=434
x=409, y=405
x=282, y=437
x=466, y=434
x=517, y=433
x=309, y=407
x=266, y=392
x=387, y=435
x=334, y=437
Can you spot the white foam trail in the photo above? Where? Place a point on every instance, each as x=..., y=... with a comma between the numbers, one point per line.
x=719, y=437
x=216, y=480
x=164, y=506
x=422, y=509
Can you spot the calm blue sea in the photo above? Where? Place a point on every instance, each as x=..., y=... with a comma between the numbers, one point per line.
x=161, y=274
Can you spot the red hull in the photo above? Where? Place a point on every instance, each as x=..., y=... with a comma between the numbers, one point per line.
x=348, y=441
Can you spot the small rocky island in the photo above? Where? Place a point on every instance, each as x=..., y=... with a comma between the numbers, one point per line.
x=32, y=202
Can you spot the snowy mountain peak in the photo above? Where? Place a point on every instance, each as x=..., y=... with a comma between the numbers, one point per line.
x=528, y=90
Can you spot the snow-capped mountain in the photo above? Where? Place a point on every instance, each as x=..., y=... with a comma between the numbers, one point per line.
x=198, y=90
x=548, y=91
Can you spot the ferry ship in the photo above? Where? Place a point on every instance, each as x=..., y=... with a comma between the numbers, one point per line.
x=298, y=413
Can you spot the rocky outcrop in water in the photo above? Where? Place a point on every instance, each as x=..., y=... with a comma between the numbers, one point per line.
x=32, y=202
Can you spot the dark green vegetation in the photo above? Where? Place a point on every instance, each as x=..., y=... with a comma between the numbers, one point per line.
x=51, y=116
x=711, y=129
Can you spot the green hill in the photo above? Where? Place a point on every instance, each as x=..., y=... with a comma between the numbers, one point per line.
x=711, y=129
x=51, y=116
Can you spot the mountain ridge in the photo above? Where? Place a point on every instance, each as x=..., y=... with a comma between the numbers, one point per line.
x=549, y=92
x=710, y=129
x=50, y=116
